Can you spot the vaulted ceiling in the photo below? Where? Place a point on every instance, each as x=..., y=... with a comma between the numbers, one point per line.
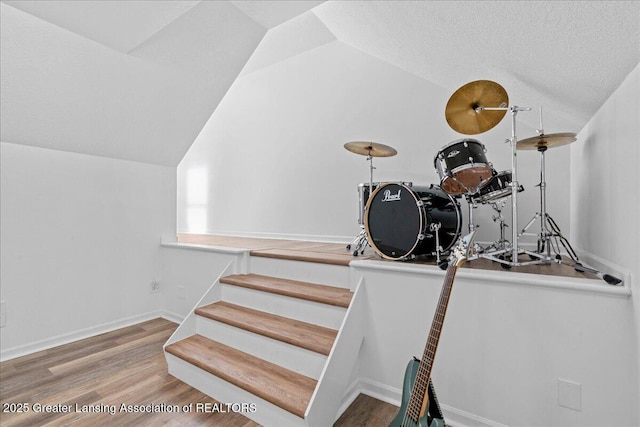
x=137, y=80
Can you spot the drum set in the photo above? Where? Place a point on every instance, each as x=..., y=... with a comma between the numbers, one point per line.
x=402, y=221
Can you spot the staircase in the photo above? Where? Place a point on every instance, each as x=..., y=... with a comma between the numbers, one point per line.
x=282, y=348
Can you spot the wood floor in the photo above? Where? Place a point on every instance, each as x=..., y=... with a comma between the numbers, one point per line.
x=337, y=254
x=127, y=367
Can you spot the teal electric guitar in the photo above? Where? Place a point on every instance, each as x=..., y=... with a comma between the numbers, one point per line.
x=416, y=388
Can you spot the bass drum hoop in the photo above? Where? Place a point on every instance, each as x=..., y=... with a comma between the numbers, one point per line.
x=366, y=221
x=423, y=217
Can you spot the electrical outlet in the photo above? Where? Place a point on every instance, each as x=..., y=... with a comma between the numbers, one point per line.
x=155, y=287
x=3, y=314
x=181, y=292
x=570, y=394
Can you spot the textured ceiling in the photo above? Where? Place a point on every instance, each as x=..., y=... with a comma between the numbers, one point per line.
x=137, y=80
x=567, y=56
x=272, y=13
x=121, y=25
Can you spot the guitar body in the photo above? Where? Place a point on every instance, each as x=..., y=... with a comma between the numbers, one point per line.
x=407, y=385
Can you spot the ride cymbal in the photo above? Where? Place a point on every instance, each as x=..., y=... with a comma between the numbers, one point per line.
x=372, y=149
x=461, y=111
x=548, y=141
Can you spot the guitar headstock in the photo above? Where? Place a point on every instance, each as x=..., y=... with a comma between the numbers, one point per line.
x=461, y=252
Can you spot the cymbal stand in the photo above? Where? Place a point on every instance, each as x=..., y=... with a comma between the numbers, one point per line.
x=545, y=235
x=515, y=249
x=360, y=242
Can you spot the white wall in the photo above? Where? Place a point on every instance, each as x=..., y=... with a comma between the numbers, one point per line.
x=80, y=243
x=187, y=274
x=506, y=342
x=605, y=196
x=146, y=102
x=271, y=158
x=605, y=200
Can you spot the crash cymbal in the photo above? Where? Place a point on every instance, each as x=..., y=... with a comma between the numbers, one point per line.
x=372, y=149
x=549, y=141
x=461, y=113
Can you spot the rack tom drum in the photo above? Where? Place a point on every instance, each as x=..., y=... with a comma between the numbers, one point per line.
x=463, y=166
x=499, y=187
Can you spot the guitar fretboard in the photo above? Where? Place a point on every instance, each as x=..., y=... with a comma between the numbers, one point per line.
x=419, y=392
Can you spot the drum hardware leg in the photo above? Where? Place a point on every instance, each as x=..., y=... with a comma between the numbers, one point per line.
x=477, y=249
x=471, y=204
x=435, y=227
x=563, y=240
x=359, y=243
x=502, y=243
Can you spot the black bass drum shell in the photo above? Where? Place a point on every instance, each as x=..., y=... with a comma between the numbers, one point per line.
x=398, y=219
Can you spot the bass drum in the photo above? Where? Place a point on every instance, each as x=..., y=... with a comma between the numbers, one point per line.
x=398, y=220
x=363, y=197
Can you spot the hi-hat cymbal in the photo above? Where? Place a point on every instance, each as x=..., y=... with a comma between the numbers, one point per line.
x=547, y=141
x=372, y=149
x=461, y=111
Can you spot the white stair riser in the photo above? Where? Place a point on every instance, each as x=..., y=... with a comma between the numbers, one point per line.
x=312, y=272
x=297, y=359
x=306, y=311
x=266, y=413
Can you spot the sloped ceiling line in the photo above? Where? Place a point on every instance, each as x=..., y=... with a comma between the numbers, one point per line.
x=566, y=56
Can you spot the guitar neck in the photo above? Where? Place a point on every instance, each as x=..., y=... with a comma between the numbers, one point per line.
x=418, y=403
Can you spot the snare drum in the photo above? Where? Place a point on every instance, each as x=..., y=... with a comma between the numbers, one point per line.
x=398, y=220
x=463, y=166
x=499, y=187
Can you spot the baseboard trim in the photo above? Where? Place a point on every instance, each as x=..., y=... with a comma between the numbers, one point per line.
x=172, y=317
x=277, y=236
x=26, y=349
x=459, y=418
x=453, y=416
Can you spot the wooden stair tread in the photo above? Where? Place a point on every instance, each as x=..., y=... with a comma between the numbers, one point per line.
x=331, y=295
x=282, y=387
x=302, y=255
x=306, y=335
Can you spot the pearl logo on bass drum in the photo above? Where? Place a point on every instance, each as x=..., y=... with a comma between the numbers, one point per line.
x=388, y=197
